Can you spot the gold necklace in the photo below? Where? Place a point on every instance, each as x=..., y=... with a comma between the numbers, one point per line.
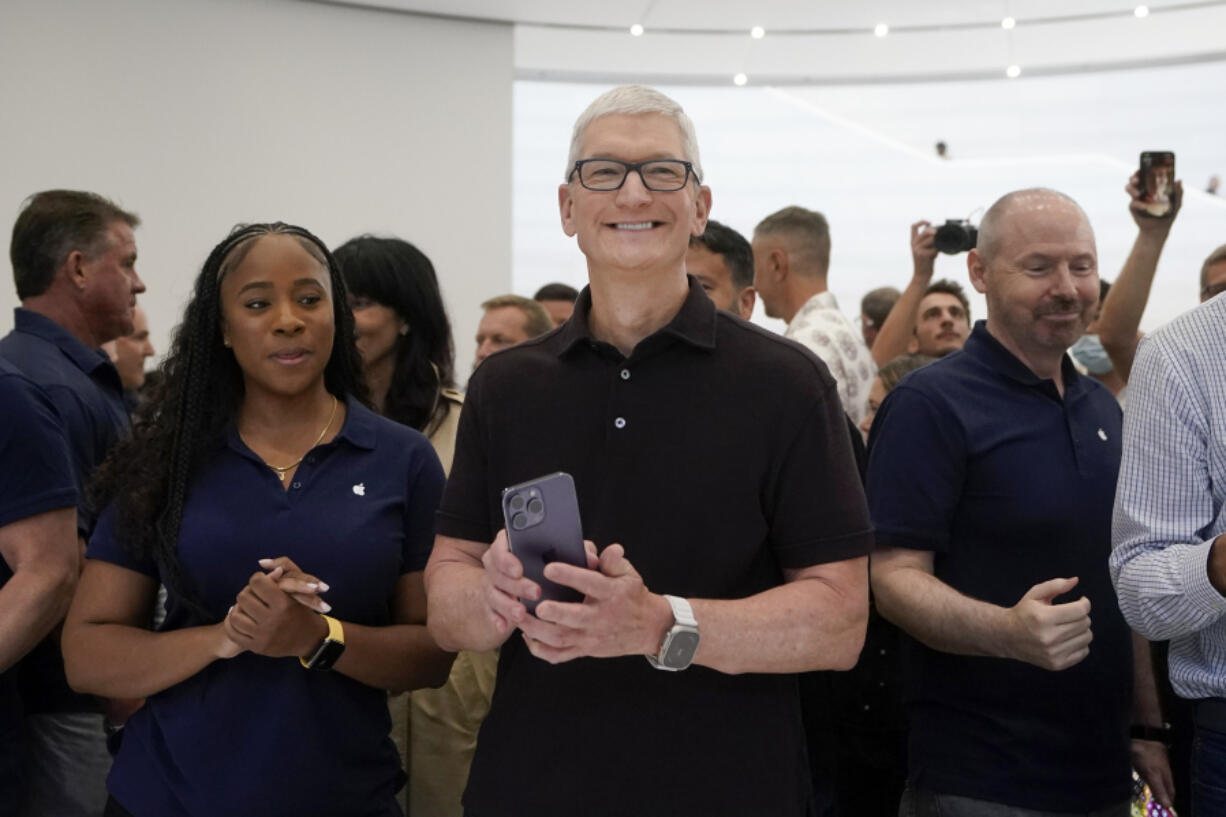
x=282, y=469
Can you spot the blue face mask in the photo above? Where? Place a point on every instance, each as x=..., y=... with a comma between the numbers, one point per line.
x=1089, y=352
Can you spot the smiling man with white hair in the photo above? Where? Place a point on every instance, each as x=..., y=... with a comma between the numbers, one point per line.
x=740, y=564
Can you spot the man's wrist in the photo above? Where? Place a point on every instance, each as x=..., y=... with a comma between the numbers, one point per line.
x=660, y=622
x=1216, y=566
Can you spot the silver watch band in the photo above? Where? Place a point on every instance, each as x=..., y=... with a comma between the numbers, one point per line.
x=681, y=640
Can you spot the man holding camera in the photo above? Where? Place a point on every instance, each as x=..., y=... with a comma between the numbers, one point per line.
x=633, y=702
x=991, y=480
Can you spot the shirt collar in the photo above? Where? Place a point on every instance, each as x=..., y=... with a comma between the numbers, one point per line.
x=822, y=300
x=983, y=346
x=694, y=322
x=359, y=429
x=40, y=326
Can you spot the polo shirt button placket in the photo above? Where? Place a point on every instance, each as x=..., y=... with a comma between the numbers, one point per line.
x=295, y=485
x=625, y=374
x=619, y=423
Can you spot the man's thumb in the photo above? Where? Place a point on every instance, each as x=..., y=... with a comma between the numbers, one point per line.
x=1048, y=590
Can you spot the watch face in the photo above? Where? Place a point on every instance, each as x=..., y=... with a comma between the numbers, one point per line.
x=329, y=651
x=681, y=649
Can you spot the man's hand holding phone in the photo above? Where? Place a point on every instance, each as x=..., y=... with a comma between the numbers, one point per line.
x=618, y=616
x=1139, y=208
x=505, y=584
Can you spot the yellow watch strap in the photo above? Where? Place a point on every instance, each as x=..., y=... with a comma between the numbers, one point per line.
x=335, y=633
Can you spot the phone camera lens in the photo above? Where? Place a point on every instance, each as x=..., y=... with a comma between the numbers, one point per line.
x=517, y=502
x=519, y=521
x=535, y=507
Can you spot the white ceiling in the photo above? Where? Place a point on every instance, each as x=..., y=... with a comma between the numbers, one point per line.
x=738, y=15
x=819, y=42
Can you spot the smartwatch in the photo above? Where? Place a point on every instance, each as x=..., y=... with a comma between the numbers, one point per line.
x=330, y=649
x=681, y=641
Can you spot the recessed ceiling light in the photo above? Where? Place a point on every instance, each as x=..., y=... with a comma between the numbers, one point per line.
x=1013, y=71
x=881, y=29
x=1141, y=11
x=636, y=30
x=739, y=79
x=1008, y=22
x=757, y=32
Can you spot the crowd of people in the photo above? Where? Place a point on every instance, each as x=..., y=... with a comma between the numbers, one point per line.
x=924, y=566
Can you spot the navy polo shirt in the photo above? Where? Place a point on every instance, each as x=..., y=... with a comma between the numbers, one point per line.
x=84, y=387
x=262, y=736
x=36, y=477
x=976, y=458
x=718, y=455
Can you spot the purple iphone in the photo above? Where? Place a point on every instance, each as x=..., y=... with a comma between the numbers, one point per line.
x=542, y=517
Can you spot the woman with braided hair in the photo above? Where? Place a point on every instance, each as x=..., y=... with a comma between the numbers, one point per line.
x=290, y=525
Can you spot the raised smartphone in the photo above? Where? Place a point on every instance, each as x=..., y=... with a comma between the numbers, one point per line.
x=1157, y=175
x=543, y=526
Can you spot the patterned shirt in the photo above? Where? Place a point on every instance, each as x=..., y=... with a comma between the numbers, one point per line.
x=1171, y=499
x=821, y=327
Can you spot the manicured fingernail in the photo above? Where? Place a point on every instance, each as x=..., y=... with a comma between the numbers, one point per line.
x=327, y=608
x=323, y=587
x=265, y=562
x=312, y=585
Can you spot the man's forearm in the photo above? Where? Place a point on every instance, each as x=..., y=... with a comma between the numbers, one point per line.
x=896, y=332
x=32, y=602
x=1146, y=708
x=939, y=616
x=1124, y=305
x=807, y=624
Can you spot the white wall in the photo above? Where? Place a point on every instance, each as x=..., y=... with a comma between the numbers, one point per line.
x=198, y=114
x=863, y=156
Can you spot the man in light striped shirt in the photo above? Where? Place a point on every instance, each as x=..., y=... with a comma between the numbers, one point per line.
x=1169, y=556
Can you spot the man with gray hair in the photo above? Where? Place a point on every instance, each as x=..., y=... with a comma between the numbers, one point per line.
x=74, y=263
x=730, y=567
x=991, y=478
x=791, y=252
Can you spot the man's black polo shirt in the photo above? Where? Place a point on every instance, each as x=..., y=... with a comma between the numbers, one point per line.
x=718, y=455
x=978, y=459
x=87, y=394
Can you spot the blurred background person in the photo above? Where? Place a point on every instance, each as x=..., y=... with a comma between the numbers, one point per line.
x=722, y=261
x=889, y=376
x=129, y=353
x=74, y=266
x=508, y=320
x=875, y=307
x=404, y=337
x=791, y=253
x=558, y=300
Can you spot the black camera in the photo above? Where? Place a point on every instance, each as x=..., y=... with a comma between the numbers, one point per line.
x=955, y=236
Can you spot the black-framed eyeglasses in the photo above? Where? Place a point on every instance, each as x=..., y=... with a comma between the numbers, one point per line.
x=657, y=175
